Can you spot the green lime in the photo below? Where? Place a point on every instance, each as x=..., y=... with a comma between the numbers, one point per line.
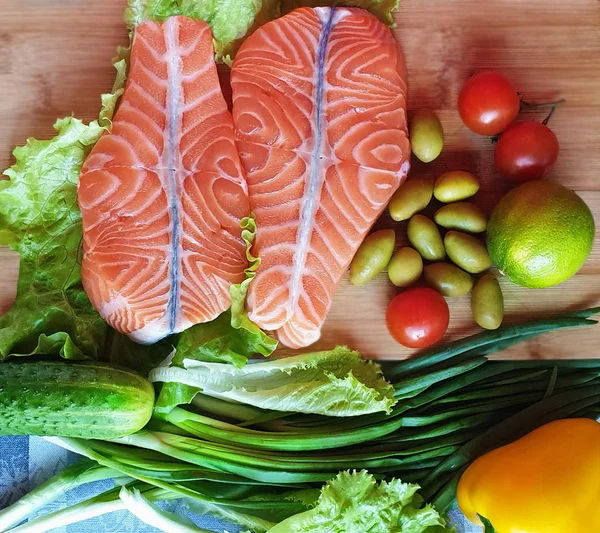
x=540, y=234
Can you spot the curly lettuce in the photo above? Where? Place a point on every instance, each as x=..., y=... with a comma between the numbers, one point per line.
x=40, y=220
x=356, y=503
x=230, y=20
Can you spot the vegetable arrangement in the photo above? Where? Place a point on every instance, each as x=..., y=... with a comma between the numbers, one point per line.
x=319, y=441
x=250, y=464
x=540, y=234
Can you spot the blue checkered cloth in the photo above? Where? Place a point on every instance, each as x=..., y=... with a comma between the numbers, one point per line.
x=26, y=462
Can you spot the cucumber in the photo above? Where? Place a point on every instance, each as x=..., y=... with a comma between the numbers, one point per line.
x=61, y=399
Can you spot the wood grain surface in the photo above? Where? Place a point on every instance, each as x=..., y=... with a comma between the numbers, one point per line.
x=55, y=60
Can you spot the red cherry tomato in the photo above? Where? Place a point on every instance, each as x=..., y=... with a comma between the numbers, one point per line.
x=417, y=317
x=526, y=151
x=488, y=103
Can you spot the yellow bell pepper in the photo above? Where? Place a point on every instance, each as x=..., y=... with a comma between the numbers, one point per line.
x=546, y=482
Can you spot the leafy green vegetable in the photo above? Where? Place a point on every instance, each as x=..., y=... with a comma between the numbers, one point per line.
x=110, y=100
x=383, y=9
x=230, y=20
x=355, y=503
x=40, y=219
x=333, y=383
x=253, y=339
x=217, y=341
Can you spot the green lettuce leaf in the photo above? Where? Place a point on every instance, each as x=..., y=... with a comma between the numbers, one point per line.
x=255, y=340
x=332, y=383
x=382, y=9
x=230, y=20
x=40, y=219
x=356, y=503
x=219, y=341
x=109, y=100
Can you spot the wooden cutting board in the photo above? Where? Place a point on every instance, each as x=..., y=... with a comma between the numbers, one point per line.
x=55, y=60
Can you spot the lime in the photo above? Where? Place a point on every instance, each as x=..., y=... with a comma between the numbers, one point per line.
x=540, y=234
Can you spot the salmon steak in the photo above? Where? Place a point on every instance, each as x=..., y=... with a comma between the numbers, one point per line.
x=162, y=194
x=319, y=108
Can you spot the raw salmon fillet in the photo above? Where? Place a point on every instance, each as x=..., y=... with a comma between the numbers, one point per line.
x=162, y=195
x=319, y=107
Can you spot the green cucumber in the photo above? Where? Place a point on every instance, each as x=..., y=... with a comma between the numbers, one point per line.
x=61, y=399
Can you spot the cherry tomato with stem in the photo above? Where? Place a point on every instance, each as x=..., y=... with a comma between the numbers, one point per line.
x=418, y=317
x=526, y=151
x=488, y=103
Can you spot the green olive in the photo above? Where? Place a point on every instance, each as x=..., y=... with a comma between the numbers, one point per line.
x=447, y=279
x=424, y=235
x=412, y=197
x=372, y=256
x=455, y=186
x=405, y=267
x=468, y=252
x=463, y=216
x=487, y=302
x=426, y=135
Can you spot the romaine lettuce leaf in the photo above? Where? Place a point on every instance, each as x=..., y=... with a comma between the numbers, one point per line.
x=332, y=383
x=356, y=503
x=219, y=342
